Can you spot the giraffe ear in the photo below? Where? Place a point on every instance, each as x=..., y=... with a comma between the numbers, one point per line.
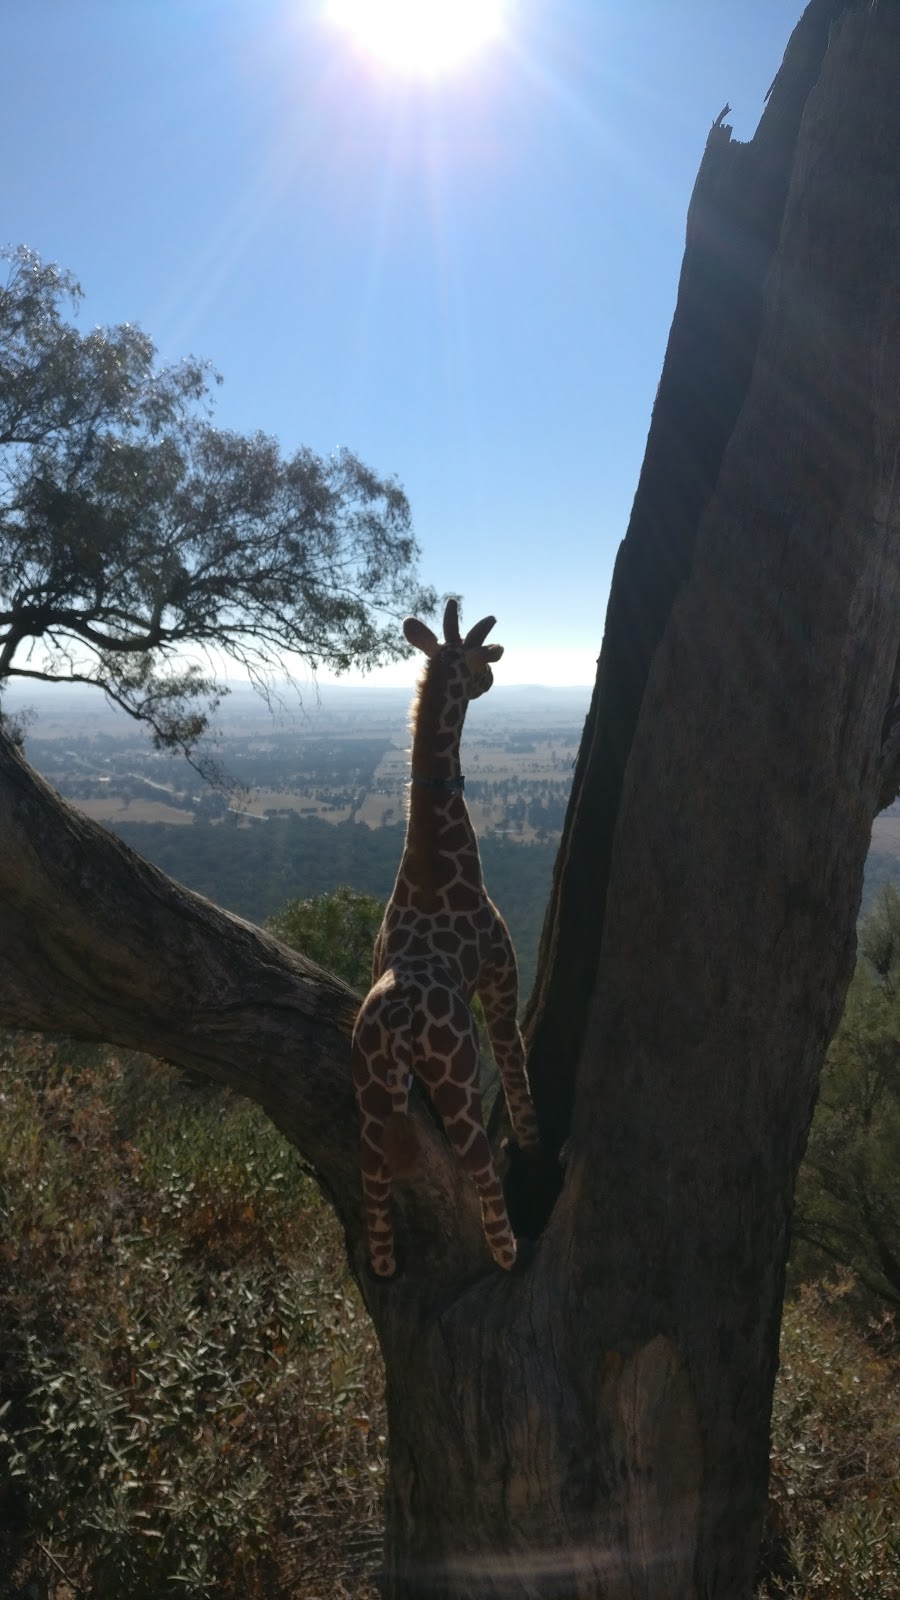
x=419, y=634
x=483, y=654
x=451, y=622
x=479, y=633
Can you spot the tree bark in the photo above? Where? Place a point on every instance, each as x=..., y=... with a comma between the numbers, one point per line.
x=701, y=935
x=595, y=1424
x=733, y=227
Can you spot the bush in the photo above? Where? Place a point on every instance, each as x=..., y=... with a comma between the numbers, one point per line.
x=834, y=1499
x=191, y=1392
x=848, y=1190
x=336, y=930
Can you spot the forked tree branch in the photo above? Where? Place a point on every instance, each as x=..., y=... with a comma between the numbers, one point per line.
x=97, y=943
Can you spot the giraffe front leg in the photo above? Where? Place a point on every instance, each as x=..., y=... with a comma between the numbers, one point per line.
x=494, y=1219
x=509, y=1053
x=498, y=991
x=470, y=1143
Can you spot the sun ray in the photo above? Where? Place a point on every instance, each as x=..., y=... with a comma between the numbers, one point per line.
x=419, y=38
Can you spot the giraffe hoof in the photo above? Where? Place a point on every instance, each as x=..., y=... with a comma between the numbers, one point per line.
x=505, y=1258
x=513, y=1146
x=526, y=1250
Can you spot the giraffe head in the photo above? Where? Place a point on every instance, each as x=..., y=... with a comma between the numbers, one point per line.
x=457, y=661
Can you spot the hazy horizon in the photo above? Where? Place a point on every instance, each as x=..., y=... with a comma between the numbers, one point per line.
x=19, y=693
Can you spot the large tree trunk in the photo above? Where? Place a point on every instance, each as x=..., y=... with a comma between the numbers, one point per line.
x=596, y=1423
x=733, y=228
x=603, y=1418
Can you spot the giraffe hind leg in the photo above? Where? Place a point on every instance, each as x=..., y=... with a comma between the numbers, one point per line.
x=476, y=1157
x=399, y=1142
x=370, y=1068
x=452, y=1082
x=376, y=1183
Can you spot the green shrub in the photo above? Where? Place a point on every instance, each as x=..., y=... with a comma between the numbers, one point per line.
x=834, y=1515
x=848, y=1191
x=191, y=1393
x=335, y=930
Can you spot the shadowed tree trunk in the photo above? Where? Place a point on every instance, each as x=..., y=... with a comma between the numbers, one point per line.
x=596, y=1423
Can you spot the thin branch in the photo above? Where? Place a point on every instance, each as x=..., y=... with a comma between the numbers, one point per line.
x=67, y=1576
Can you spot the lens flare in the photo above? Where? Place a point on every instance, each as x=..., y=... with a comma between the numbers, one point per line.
x=419, y=38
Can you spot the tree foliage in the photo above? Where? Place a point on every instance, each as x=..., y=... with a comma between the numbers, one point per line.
x=335, y=930
x=848, y=1198
x=133, y=531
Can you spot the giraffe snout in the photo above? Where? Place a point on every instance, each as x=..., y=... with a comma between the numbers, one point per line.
x=481, y=682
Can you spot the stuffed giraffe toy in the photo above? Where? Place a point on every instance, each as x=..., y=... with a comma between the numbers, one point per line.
x=441, y=942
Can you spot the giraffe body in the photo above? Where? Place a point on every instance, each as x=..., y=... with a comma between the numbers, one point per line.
x=441, y=942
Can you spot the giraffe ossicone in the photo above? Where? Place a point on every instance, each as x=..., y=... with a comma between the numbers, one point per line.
x=441, y=942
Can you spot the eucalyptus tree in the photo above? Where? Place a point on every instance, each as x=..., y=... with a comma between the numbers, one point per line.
x=596, y=1423
x=139, y=544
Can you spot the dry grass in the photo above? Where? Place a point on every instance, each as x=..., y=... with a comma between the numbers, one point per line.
x=115, y=809
x=834, y=1501
x=263, y=800
x=192, y=1393
x=192, y=1396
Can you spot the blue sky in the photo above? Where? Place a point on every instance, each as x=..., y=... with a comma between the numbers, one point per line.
x=468, y=280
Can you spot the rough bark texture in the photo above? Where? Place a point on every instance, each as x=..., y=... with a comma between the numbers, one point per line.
x=733, y=228
x=603, y=1417
x=595, y=1424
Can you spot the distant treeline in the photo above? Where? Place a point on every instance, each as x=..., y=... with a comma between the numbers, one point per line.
x=254, y=870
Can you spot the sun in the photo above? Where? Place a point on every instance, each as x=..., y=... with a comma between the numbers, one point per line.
x=419, y=38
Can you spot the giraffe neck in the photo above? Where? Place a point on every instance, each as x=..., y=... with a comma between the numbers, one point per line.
x=440, y=861
x=438, y=717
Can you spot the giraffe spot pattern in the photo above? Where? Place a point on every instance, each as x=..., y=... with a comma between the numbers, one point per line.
x=438, y=1003
x=442, y=941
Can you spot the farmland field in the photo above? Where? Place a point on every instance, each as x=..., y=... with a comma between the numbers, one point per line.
x=314, y=795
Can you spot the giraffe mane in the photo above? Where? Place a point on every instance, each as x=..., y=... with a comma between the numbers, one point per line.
x=416, y=702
